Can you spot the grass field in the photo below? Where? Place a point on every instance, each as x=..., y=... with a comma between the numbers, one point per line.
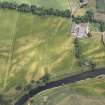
x=57, y=4
x=94, y=87
x=100, y=4
x=29, y=44
x=89, y=92
x=93, y=49
x=92, y=4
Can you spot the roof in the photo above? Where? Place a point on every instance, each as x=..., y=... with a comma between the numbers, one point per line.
x=83, y=2
x=80, y=30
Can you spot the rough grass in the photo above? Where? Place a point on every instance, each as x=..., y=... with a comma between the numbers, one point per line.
x=94, y=87
x=92, y=4
x=100, y=5
x=32, y=43
x=29, y=44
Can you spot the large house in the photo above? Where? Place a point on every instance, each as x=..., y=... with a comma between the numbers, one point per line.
x=80, y=30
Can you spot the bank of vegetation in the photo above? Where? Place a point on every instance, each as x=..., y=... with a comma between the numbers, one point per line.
x=35, y=10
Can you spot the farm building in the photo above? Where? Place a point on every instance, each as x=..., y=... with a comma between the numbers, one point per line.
x=83, y=2
x=80, y=30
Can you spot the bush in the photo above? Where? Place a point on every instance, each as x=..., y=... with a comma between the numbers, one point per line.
x=102, y=26
x=24, y=8
x=89, y=35
x=18, y=88
x=8, y=5
x=27, y=87
x=77, y=48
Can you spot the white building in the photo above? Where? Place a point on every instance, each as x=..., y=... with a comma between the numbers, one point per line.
x=83, y=2
x=80, y=30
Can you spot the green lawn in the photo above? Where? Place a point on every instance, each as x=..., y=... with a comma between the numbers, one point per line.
x=57, y=4
x=100, y=5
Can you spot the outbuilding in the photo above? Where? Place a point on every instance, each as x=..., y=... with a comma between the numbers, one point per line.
x=80, y=30
x=83, y=2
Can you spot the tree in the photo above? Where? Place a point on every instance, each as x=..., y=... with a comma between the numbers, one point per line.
x=89, y=15
x=35, y=10
x=89, y=34
x=28, y=87
x=67, y=13
x=77, y=48
x=50, y=11
x=1, y=99
x=102, y=39
x=8, y=5
x=24, y=8
x=93, y=65
x=102, y=26
x=4, y=5
x=18, y=88
x=46, y=77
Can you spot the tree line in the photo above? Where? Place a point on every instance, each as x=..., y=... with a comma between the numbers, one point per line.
x=41, y=11
x=77, y=48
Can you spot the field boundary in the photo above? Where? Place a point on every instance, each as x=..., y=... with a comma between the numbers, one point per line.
x=40, y=11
